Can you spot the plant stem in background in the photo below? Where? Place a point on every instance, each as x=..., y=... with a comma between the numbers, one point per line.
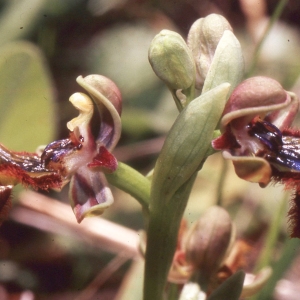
x=221, y=182
x=265, y=258
x=280, y=267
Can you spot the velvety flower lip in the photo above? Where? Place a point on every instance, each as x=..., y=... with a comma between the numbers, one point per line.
x=24, y=168
x=83, y=159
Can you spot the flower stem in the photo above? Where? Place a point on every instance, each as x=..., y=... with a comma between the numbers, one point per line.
x=132, y=182
x=221, y=182
x=265, y=258
x=272, y=235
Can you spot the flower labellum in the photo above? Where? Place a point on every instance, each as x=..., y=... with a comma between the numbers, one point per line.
x=25, y=168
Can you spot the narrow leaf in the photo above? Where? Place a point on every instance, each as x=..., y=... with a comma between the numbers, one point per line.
x=229, y=289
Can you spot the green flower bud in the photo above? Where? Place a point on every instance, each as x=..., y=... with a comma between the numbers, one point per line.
x=203, y=39
x=172, y=60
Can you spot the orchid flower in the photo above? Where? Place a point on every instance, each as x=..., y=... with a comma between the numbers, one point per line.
x=81, y=159
x=257, y=137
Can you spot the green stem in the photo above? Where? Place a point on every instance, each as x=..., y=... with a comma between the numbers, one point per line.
x=172, y=291
x=132, y=182
x=278, y=11
x=265, y=258
x=162, y=239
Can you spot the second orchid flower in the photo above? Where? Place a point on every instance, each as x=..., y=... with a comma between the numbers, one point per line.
x=257, y=138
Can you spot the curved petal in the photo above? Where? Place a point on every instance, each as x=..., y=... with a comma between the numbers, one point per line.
x=89, y=193
x=227, y=64
x=250, y=168
x=284, y=118
x=107, y=98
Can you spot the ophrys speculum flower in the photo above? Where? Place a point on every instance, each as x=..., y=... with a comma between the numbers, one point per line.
x=82, y=158
x=257, y=138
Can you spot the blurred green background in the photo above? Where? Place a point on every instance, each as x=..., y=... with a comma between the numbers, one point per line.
x=44, y=46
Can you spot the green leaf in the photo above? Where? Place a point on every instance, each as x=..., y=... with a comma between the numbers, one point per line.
x=26, y=98
x=230, y=288
x=19, y=17
x=227, y=64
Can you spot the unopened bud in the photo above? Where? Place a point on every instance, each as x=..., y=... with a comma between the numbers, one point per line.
x=208, y=241
x=203, y=39
x=172, y=60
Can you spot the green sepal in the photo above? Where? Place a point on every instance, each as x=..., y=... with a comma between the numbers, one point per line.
x=203, y=39
x=187, y=144
x=227, y=64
